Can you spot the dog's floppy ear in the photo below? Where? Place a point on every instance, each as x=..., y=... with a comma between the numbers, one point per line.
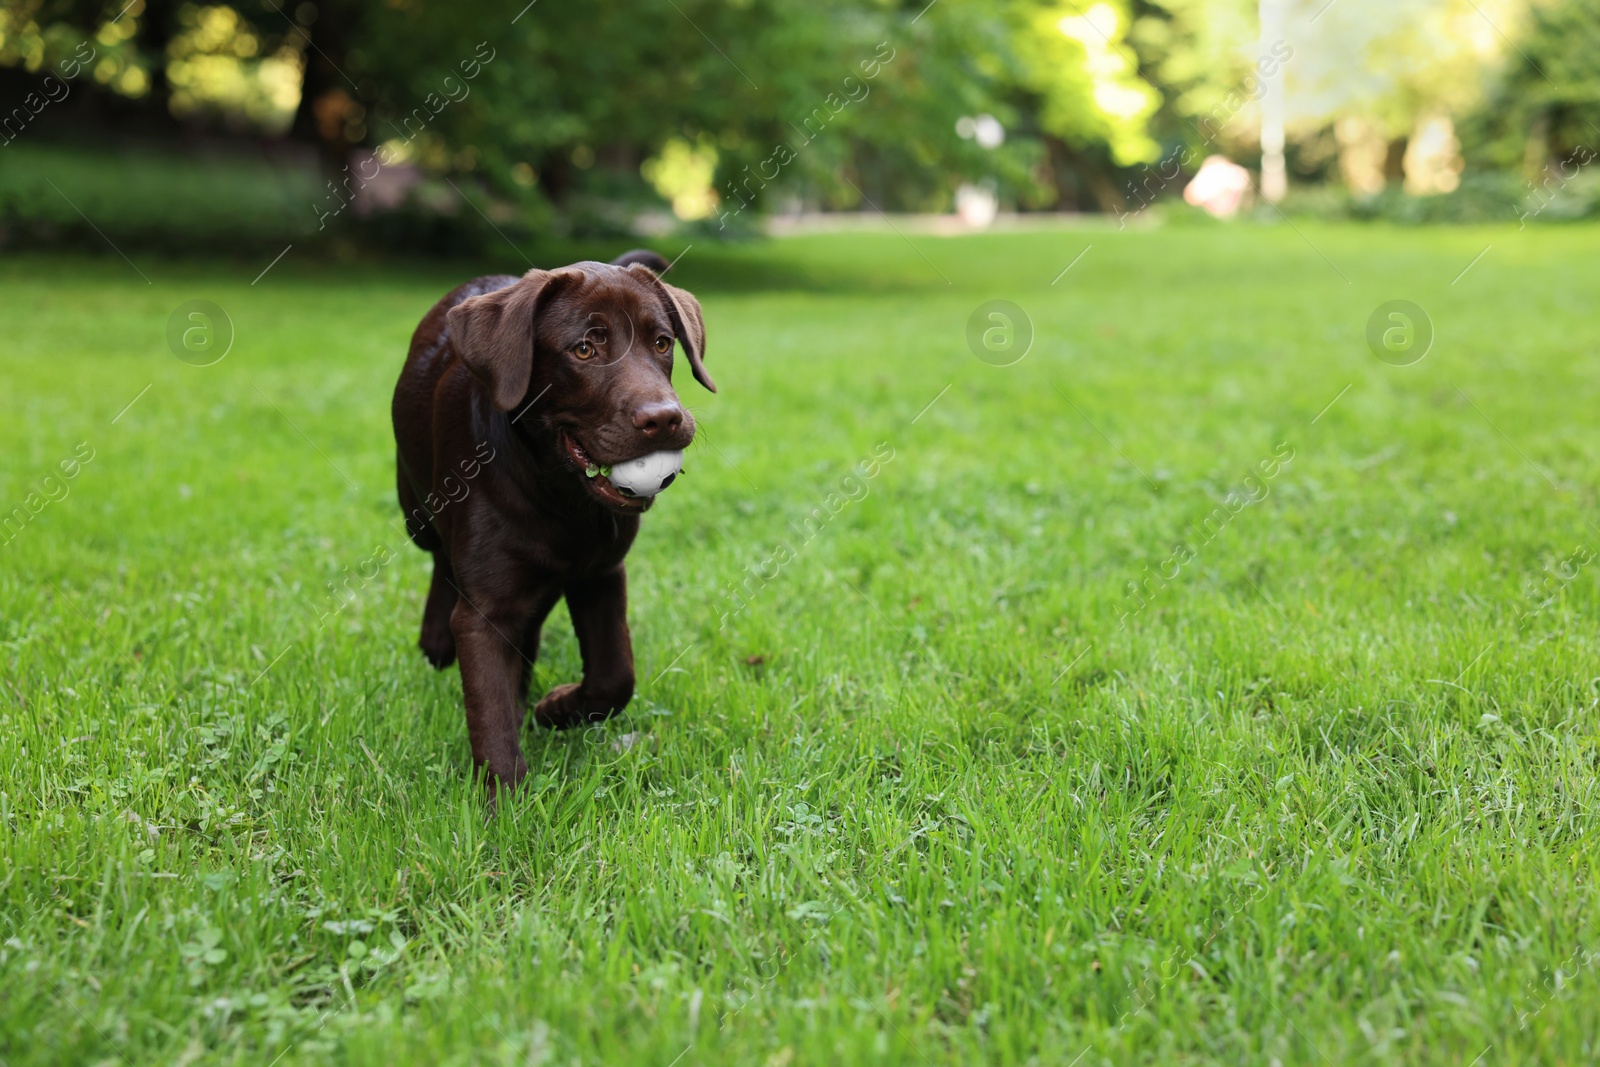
x=687, y=322
x=494, y=334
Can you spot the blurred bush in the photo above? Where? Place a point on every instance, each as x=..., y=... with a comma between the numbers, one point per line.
x=226, y=203
x=1482, y=197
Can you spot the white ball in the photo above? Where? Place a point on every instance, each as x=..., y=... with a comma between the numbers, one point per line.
x=647, y=475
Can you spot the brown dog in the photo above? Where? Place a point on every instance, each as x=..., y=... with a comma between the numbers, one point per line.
x=513, y=388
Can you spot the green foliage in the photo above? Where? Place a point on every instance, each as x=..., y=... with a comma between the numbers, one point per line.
x=827, y=103
x=1085, y=76
x=38, y=35
x=1198, y=52
x=1330, y=798
x=1547, y=104
x=835, y=104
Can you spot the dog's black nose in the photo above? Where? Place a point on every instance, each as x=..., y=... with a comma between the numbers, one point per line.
x=658, y=418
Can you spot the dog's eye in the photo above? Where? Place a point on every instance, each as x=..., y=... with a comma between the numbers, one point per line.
x=663, y=344
x=584, y=350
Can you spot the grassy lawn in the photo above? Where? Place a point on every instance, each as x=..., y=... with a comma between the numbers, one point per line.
x=932, y=790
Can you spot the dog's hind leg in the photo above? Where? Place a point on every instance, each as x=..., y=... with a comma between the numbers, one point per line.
x=438, y=640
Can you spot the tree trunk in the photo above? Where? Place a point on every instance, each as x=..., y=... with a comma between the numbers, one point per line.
x=157, y=23
x=1093, y=188
x=1394, y=161
x=328, y=100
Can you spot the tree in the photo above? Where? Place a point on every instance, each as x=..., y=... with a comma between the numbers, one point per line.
x=1546, y=104
x=838, y=103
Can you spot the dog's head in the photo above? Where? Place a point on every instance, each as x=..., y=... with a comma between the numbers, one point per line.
x=585, y=352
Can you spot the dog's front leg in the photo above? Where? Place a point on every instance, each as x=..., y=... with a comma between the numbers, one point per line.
x=491, y=668
x=599, y=608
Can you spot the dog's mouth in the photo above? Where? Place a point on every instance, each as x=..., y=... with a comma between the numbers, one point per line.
x=594, y=475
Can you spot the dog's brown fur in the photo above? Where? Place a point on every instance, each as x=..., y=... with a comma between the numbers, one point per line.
x=511, y=388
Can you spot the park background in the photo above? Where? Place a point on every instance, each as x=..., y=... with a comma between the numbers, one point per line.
x=420, y=128
x=1091, y=628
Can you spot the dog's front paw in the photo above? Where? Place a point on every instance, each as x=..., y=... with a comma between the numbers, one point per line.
x=560, y=708
x=567, y=705
x=438, y=643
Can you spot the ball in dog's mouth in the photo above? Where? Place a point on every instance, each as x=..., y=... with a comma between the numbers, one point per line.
x=631, y=485
x=647, y=475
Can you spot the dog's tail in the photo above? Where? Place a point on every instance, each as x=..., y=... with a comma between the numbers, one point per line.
x=643, y=255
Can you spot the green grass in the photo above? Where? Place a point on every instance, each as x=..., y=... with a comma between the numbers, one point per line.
x=1329, y=798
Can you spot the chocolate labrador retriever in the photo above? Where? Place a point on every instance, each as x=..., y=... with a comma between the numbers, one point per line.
x=513, y=391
